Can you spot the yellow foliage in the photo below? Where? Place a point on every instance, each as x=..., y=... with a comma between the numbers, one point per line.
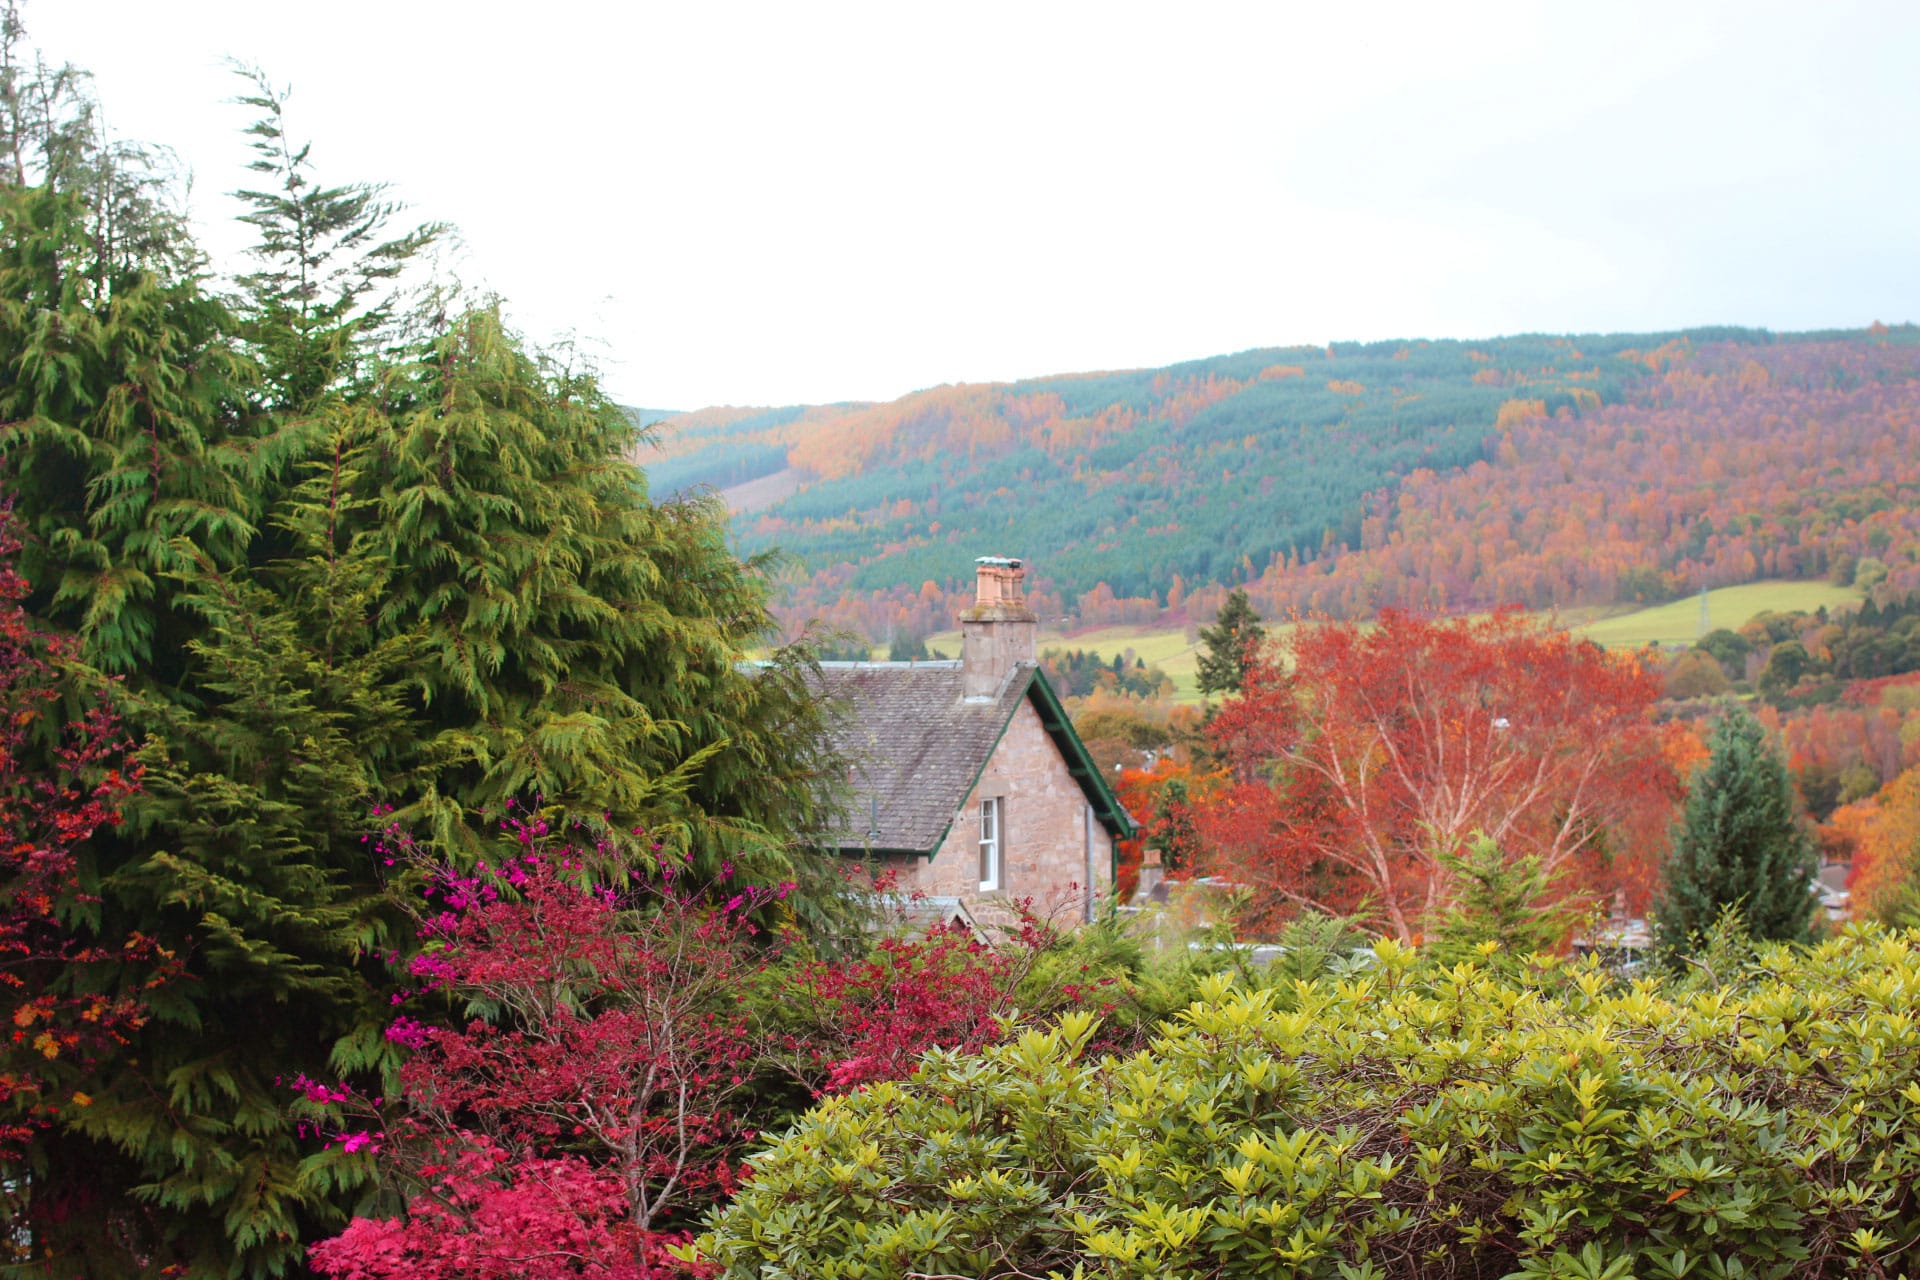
x=1515, y=411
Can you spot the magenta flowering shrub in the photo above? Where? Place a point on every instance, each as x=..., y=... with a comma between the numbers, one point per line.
x=588, y=1088
x=609, y=1055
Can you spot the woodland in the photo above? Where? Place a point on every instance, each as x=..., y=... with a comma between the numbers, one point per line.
x=412, y=802
x=1552, y=472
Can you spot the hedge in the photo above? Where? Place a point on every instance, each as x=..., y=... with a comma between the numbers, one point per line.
x=1391, y=1120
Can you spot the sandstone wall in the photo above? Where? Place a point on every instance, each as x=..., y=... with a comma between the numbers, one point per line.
x=1043, y=851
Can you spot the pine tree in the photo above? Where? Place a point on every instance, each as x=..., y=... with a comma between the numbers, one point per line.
x=1225, y=645
x=1740, y=846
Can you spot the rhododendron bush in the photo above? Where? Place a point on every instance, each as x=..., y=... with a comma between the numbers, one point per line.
x=1392, y=1119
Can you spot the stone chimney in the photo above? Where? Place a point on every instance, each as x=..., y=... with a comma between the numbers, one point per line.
x=998, y=631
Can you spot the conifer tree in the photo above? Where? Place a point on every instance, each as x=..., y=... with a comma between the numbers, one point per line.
x=327, y=295
x=335, y=578
x=1740, y=846
x=1511, y=901
x=1225, y=644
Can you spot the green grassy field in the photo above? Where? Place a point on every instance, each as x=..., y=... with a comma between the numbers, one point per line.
x=1678, y=622
x=1167, y=648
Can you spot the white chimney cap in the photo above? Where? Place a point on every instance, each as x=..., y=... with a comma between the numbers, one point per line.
x=1001, y=562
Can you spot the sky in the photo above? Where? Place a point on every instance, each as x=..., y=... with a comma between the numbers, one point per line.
x=784, y=203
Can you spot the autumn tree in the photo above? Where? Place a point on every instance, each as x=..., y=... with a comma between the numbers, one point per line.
x=1165, y=801
x=1229, y=645
x=1886, y=878
x=1740, y=845
x=577, y=1059
x=585, y=1063
x=1381, y=751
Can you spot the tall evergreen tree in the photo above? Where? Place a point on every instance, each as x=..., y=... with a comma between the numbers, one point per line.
x=336, y=577
x=1740, y=846
x=1225, y=644
x=328, y=295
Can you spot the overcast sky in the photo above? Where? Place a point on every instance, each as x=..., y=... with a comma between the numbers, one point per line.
x=812, y=201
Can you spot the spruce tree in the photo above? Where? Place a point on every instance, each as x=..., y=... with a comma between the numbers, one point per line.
x=1225, y=644
x=1739, y=846
x=1512, y=901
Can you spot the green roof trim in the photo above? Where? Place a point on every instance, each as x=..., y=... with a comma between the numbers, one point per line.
x=1106, y=806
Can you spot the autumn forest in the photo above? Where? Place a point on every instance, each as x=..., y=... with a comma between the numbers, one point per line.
x=1550, y=472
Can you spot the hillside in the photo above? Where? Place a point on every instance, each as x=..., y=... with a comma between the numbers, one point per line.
x=1552, y=471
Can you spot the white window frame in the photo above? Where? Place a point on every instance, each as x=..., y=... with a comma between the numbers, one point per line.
x=993, y=825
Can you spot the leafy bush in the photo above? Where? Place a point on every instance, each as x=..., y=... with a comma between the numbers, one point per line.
x=1398, y=1121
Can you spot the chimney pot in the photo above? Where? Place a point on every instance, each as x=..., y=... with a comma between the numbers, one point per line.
x=998, y=632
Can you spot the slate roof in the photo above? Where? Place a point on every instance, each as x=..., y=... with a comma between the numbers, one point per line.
x=916, y=745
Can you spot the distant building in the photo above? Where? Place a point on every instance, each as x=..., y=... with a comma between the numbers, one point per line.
x=969, y=782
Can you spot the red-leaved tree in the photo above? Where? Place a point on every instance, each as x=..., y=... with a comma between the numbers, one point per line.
x=856, y=1021
x=63, y=776
x=608, y=1055
x=587, y=1093
x=1164, y=801
x=1378, y=749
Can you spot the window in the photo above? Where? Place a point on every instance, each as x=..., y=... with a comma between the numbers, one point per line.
x=990, y=844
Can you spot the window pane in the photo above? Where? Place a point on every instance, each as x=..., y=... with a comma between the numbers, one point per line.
x=990, y=844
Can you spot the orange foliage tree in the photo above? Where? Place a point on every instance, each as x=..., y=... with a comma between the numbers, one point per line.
x=1886, y=865
x=1381, y=749
x=1164, y=801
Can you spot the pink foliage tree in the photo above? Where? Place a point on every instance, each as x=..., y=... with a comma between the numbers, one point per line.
x=590, y=1092
x=871, y=1018
x=611, y=1053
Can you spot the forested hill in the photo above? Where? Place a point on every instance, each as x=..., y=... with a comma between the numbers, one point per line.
x=1290, y=470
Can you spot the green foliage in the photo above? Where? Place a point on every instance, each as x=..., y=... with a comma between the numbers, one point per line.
x=1225, y=645
x=337, y=576
x=907, y=648
x=842, y=647
x=1739, y=845
x=1075, y=673
x=1504, y=909
x=323, y=300
x=1391, y=1122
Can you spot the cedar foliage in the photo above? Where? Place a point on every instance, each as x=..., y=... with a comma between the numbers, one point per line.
x=334, y=575
x=1739, y=846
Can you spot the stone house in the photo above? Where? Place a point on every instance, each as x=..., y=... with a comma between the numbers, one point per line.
x=969, y=783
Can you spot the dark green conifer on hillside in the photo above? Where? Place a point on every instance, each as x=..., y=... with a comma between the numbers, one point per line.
x=1740, y=845
x=1225, y=644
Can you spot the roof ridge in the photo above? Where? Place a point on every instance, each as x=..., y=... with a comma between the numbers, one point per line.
x=916, y=664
